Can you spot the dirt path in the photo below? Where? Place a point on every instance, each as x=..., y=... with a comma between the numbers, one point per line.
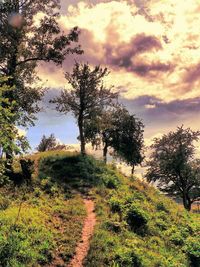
x=88, y=228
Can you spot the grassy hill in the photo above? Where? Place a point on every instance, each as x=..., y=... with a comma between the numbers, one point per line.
x=41, y=221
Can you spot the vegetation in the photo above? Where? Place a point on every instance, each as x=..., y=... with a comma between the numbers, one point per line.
x=42, y=207
x=117, y=129
x=137, y=225
x=87, y=97
x=9, y=137
x=173, y=166
x=41, y=222
x=47, y=143
x=24, y=43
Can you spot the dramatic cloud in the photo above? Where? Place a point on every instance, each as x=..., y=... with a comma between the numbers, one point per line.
x=125, y=55
x=152, y=49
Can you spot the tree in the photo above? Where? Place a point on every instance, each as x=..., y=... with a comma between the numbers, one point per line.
x=87, y=98
x=9, y=136
x=99, y=131
x=173, y=167
x=118, y=130
x=47, y=143
x=25, y=41
x=128, y=140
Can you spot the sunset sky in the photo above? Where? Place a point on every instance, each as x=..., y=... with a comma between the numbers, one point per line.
x=152, y=49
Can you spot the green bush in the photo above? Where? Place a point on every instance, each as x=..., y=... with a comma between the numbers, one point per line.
x=110, y=181
x=161, y=207
x=127, y=257
x=116, y=204
x=136, y=217
x=192, y=248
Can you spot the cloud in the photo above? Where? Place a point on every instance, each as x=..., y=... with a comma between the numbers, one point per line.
x=192, y=74
x=149, y=46
x=125, y=55
x=21, y=132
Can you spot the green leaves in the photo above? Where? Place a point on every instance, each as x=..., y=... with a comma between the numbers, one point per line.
x=173, y=167
x=10, y=140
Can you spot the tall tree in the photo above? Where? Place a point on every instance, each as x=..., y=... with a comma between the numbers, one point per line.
x=9, y=135
x=87, y=97
x=173, y=167
x=29, y=34
x=47, y=143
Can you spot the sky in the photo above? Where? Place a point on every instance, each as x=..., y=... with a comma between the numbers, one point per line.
x=152, y=49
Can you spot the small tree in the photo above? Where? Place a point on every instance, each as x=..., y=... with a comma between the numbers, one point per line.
x=87, y=98
x=47, y=143
x=99, y=131
x=128, y=141
x=119, y=130
x=173, y=167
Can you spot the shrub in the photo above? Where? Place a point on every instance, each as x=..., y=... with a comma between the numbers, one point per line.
x=177, y=239
x=27, y=166
x=160, y=206
x=192, y=248
x=116, y=204
x=136, y=217
x=110, y=181
x=127, y=257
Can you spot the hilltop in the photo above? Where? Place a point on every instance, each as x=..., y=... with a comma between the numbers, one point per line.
x=42, y=219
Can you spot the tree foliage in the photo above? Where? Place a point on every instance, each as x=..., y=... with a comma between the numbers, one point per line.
x=9, y=135
x=117, y=129
x=29, y=34
x=87, y=97
x=47, y=143
x=173, y=165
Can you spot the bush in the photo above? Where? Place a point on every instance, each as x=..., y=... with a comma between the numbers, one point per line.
x=192, y=248
x=128, y=258
x=136, y=217
x=27, y=166
x=160, y=206
x=116, y=204
x=177, y=239
x=110, y=181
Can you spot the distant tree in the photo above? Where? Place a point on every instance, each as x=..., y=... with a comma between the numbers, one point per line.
x=129, y=139
x=173, y=167
x=47, y=143
x=29, y=34
x=120, y=131
x=87, y=98
x=99, y=130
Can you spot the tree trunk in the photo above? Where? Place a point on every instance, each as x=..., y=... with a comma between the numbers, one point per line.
x=187, y=202
x=105, y=151
x=81, y=133
x=133, y=169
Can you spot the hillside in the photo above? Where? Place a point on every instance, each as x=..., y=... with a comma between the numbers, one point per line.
x=42, y=220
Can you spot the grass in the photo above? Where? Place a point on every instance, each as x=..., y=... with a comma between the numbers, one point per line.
x=136, y=225
x=47, y=228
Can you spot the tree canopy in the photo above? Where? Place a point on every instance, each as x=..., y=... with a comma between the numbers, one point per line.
x=9, y=135
x=26, y=39
x=173, y=166
x=86, y=98
x=117, y=129
x=47, y=143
